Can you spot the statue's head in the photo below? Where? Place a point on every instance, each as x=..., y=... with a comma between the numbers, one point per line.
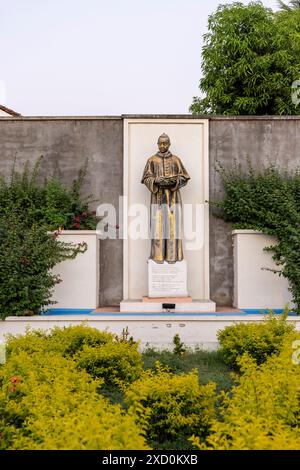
x=163, y=143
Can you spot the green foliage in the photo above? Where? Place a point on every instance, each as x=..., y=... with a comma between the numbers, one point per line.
x=51, y=203
x=170, y=407
x=66, y=341
x=289, y=6
x=70, y=340
x=100, y=353
x=179, y=347
x=259, y=340
x=28, y=209
x=46, y=403
x=210, y=365
x=262, y=411
x=27, y=255
x=250, y=58
x=267, y=200
x=118, y=363
x=33, y=341
x=125, y=337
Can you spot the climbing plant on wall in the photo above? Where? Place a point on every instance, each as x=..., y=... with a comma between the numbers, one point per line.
x=268, y=200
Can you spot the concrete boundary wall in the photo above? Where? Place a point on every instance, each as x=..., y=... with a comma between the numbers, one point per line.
x=65, y=143
x=195, y=332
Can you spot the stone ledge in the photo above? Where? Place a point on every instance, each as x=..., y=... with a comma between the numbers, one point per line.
x=144, y=317
x=194, y=307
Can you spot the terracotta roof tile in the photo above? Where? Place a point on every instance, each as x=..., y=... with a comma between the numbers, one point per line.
x=9, y=111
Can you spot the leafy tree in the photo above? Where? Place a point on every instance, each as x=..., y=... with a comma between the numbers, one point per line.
x=251, y=57
x=290, y=6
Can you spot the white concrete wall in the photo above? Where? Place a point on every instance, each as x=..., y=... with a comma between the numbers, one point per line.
x=154, y=331
x=255, y=287
x=80, y=276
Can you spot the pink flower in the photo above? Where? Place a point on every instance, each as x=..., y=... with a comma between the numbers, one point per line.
x=14, y=380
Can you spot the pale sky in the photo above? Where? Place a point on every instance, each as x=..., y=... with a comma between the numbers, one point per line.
x=102, y=57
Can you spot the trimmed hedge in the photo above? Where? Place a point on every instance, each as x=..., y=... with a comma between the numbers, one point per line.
x=66, y=341
x=171, y=406
x=118, y=364
x=100, y=353
x=262, y=411
x=259, y=340
x=47, y=403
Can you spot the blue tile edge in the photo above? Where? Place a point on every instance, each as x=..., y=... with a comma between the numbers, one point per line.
x=264, y=311
x=67, y=311
x=244, y=312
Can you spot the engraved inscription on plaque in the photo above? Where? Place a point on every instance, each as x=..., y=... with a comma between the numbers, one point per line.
x=167, y=280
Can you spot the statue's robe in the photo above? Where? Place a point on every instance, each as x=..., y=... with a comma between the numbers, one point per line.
x=166, y=207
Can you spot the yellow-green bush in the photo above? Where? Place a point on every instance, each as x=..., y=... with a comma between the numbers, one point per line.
x=47, y=403
x=171, y=406
x=259, y=340
x=32, y=341
x=70, y=340
x=262, y=411
x=101, y=353
x=118, y=363
x=66, y=341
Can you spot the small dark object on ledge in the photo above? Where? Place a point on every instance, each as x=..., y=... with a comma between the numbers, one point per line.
x=168, y=306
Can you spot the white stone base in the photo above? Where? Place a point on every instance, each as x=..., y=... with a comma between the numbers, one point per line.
x=255, y=286
x=138, y=306
x=156, y=331
x=79, y=288
x=167, y=279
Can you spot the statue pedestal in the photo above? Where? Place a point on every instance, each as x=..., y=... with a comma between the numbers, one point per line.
x=167, y=279
x=167, y=292
x=167, y=299
x=159, y=306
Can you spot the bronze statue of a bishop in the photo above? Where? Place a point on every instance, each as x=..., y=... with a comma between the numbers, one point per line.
x=164, y=175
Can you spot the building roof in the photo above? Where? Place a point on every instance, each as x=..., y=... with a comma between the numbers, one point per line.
x=9, y=111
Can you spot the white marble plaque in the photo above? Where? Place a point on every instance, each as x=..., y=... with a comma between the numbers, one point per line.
x=166, y=279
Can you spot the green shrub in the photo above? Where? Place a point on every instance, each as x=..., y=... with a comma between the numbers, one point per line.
x=70, y=340
x=262, y=411
x=179, y=347
x=33, y=341
x=267, y=200
x=118, y=363
x=170, y=407
x=65, y=341
x=28, y=209
x=27, y=255
x=49, y=203
x=102, y=354
x=210, y=365
x=46, y=403
x=259, y=340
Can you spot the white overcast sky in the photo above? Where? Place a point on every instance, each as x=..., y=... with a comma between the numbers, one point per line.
x=102, y=57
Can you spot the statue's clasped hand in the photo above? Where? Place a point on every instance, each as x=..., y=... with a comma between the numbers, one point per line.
x=165, y=182
x=159, y=180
